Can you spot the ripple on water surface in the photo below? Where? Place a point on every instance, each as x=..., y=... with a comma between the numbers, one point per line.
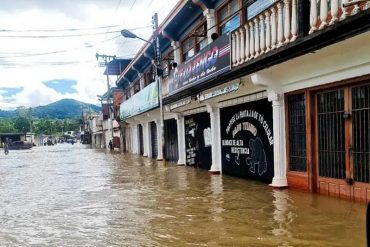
x=68, y=195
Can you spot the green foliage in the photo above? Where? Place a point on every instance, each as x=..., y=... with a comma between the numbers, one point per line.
x=65, y=108
x=6, y=126
x=22, y=124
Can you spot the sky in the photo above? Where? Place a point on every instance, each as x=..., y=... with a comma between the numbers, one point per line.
x=47, y=48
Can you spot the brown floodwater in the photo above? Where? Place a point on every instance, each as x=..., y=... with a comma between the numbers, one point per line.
x=72, y=195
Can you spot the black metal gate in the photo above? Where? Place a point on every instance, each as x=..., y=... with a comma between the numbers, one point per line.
x=331, y=138
x=141, y=139
x=361, y=133
x=154, y=139
x=170, y=135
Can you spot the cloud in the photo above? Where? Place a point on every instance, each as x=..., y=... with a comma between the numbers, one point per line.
x=62, y=86
x=72, y=59
x=7, y=92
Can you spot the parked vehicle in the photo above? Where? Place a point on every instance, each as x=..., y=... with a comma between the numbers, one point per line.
x=19, y=145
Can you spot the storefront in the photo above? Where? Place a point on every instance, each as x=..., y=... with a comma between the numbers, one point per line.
x=247, y=140
x=329, y=139
x=198, y=140
x=154, y=139
x=171, y=141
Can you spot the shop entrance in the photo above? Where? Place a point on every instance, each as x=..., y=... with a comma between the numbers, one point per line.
x=198, y=140
x=343, y=142
x=154, y=139
x=171, y=145
x=141, y=140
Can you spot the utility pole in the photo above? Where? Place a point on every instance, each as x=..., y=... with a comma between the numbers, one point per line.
x=106, y=60
x=158, y=76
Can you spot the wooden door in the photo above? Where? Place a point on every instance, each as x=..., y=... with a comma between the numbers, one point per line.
x=343, y=142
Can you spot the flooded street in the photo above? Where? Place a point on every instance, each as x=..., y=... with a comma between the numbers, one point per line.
x=68, y=195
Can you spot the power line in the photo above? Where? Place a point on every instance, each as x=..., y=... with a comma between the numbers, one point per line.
x=66, y=35
x=57, y=30
x=20, y=55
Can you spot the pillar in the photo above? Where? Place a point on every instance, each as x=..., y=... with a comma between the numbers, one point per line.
x=181, y=139
x=159, y=139
x=135, y=139
x=279, y=179
x=214, y=112
x=145, y=139
x=211, y=23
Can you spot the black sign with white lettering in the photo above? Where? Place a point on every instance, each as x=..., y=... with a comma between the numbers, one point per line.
x=198, y=140
x=247, y=142
x=211, y=61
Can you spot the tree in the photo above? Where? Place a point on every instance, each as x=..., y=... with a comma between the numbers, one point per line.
x=6, y=126
x=22, y=124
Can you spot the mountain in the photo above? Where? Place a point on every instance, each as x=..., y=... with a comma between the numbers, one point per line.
x=65, y=108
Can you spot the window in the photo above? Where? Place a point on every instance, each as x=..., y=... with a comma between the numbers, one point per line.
x=188, y=48
x=195, y=42
x=201, y=37
x=167, y=63
x=297, y=132
x=229, y=17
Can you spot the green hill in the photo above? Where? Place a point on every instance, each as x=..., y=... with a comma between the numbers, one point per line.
x=62, y=109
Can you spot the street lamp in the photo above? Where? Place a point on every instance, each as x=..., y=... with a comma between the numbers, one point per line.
x=128, y=34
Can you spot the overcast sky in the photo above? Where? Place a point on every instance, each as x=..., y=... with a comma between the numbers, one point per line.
x=40, y=70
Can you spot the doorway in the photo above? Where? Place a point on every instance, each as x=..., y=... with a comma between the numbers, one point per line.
x=343, y=142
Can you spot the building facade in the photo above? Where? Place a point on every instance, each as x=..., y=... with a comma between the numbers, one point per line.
x=276, y=91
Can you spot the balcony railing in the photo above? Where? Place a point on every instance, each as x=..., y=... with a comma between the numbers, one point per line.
x=321, y=16
x=273, y=28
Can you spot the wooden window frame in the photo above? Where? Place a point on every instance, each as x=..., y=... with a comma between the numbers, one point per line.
x=197, y=39
x=241, y=12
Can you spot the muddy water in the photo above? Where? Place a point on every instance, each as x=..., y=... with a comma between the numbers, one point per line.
x=76, y=196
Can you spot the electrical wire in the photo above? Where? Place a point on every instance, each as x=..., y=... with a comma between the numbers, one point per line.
x=57, y=30
x=67, y=35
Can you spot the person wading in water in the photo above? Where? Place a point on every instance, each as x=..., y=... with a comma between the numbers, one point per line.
x=6, y=146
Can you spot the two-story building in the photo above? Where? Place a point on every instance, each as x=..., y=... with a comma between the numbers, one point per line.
x=277, y=91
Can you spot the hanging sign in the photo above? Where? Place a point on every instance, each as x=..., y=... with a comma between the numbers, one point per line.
x=211, y=61
x=140, y=102
x=180, y=103
x=247, y=140
x=218, y=92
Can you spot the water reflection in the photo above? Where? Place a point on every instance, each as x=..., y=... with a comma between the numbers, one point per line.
x=75, y=196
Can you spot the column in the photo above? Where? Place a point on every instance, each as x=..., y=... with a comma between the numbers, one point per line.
x=294, y=21
x=246, y=42
x=145, y=139
x=280, y=34
x=237, y=48
x=176, y=51
x=273, y=28
x=135, y=137
x=262, y=32
x=214, y=112
x=313, y=16
x=256, y=37
x=242, y=44
x=211, y=23
x=181, y=139
x=287, y=20
x=278, y=117
x=323, y=13
x=334, y=6
x=268, y=31
x=159, y=139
